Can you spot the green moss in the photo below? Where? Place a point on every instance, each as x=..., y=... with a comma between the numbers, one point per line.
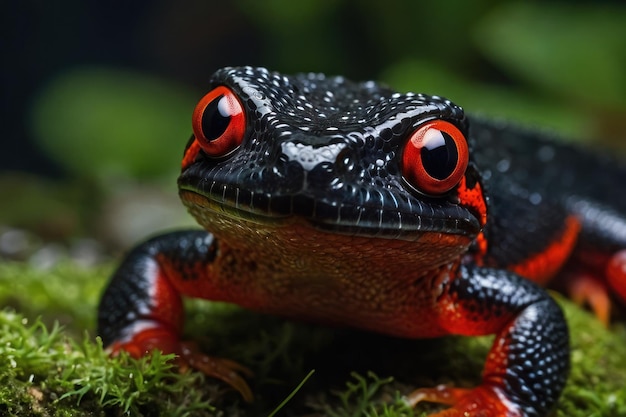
x=59, y=371
x=597, y=383
x=49, y=374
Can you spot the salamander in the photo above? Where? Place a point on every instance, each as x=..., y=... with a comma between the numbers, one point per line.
x=351, y=204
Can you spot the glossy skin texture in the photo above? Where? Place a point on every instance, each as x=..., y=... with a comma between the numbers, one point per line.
x=355, y=205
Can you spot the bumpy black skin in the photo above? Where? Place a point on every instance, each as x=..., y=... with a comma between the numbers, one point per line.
x=533, y=182
x=327, y=151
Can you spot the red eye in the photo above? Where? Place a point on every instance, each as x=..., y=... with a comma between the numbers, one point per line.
x=219, y=122
x=435, y=157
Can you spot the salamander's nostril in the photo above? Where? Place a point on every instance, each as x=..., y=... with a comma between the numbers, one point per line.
x=346, y=161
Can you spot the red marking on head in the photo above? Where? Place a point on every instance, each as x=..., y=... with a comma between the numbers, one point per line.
x=190, y=153
x=473, y=199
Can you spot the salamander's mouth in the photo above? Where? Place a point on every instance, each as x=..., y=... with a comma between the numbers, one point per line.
x=377, y=219
x=255, y=209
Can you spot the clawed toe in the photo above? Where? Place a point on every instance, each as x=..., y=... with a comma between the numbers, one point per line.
x=223, y=369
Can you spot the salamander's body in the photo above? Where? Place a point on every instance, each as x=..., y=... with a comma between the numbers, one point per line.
x=352, y=204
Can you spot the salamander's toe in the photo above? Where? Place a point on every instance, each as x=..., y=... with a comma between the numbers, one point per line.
x=189, y=357
x=483, y=401
x=220, y=368
x=585, y=289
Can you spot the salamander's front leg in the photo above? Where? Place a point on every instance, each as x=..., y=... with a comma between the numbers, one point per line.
x=528, y=364
x=141, y=310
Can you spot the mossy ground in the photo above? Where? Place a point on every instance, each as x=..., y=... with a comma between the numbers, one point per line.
x=60, y=370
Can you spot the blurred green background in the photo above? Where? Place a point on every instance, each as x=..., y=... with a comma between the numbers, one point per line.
x=98, y=95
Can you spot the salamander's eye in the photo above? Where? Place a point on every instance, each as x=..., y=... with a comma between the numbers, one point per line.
x=435, y=157
x=219, y=122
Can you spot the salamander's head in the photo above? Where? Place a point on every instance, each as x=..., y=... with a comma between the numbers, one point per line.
x=331, y=154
